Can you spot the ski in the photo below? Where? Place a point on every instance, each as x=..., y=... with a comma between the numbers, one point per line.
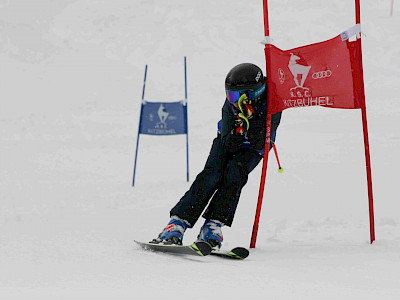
x=197, y=248
x=236, y=253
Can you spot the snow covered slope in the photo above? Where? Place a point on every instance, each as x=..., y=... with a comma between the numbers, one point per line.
x=71, y=75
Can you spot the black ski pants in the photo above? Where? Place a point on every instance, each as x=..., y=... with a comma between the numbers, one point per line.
x=222, y=179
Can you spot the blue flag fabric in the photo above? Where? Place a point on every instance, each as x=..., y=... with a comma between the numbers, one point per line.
x=163, y=118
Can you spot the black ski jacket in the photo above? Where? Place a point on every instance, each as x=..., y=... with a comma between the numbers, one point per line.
x=228, y=121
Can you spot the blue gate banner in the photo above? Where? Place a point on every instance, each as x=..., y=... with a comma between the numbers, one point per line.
x=163, y=118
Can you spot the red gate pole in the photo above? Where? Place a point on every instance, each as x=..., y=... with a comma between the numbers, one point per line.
x=268, y=130
x=365, y=131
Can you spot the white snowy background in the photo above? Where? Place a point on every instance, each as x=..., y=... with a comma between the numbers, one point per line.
x=71, y=75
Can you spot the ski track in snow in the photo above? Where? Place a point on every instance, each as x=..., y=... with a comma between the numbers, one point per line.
x=71, y=80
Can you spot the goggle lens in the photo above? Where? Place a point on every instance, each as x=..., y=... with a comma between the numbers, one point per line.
x=233, y=96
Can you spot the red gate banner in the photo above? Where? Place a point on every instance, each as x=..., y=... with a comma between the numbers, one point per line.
x=328, y=74
x=321, y=74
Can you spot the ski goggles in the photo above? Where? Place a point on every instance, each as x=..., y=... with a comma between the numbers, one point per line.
x=233, y=96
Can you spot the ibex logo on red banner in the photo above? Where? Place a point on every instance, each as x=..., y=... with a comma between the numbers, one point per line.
x=299, y=69
x=301, y=95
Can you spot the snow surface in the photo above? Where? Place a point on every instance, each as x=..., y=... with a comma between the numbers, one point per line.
x=70, y=85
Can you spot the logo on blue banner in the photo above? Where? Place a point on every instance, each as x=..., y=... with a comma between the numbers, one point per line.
x=163, y=118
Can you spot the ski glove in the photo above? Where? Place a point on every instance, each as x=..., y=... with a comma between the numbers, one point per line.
x=256, y=133
x=235, y=140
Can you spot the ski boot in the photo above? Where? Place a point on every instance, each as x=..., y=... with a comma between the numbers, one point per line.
x=173, y=232
x=211, y=233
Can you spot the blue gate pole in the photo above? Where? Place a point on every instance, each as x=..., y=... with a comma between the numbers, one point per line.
x=187, y=129
x=140, y=124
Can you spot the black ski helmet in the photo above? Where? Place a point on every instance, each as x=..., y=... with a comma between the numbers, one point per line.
x=245, y=76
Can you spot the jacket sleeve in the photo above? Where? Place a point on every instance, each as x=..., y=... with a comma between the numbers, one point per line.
x=257, y=130
x=231, y=142
x=227, y=122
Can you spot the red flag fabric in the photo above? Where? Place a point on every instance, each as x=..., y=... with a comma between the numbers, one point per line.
x=321, y=74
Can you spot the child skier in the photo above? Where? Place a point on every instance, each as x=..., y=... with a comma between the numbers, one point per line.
x=235, y=152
